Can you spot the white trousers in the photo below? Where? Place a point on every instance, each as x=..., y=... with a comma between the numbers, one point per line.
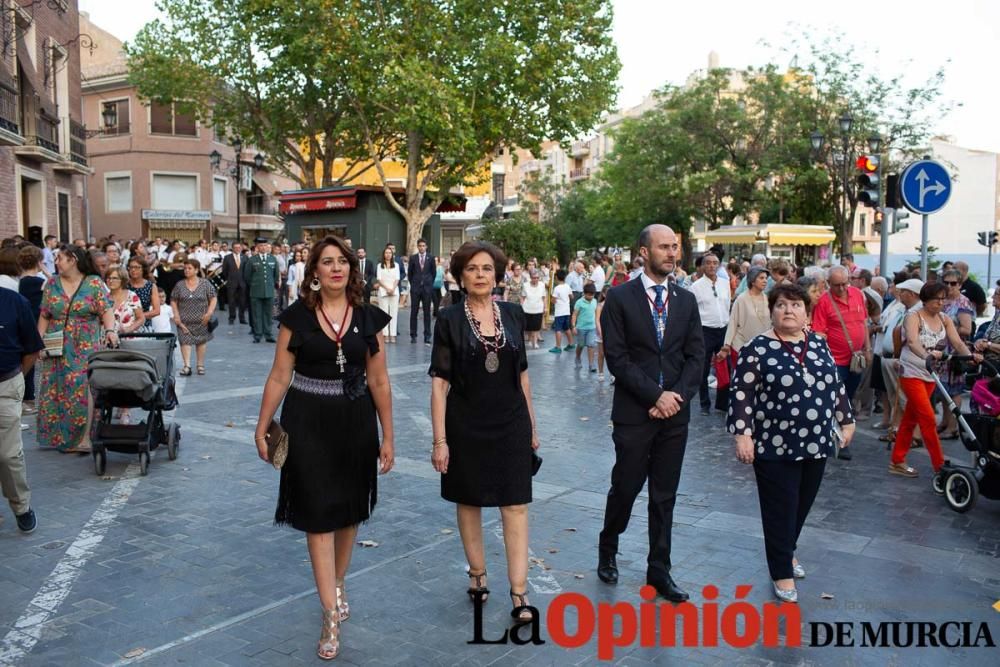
x=390, y=304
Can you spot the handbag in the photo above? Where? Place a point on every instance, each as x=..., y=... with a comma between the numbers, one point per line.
x=277, y=445
x=721, y=367
x=54, y=340
x=213, y=323
x=858, y=361
x=536, y=463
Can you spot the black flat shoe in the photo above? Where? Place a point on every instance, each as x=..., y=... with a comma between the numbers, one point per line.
x=607, y=569
x=668, y=588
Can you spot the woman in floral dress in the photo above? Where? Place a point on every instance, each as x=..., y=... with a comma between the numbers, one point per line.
x=77, y=303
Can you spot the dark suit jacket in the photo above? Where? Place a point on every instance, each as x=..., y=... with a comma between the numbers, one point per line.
x=369, y=274
x=421, y=280
x=230, y=273
x=635, y=359
x=245, y=268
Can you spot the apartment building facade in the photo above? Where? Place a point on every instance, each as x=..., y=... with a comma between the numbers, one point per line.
x=43, y=153
x=152, y=171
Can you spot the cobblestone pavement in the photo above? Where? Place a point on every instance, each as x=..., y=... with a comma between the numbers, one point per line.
x=184, y=566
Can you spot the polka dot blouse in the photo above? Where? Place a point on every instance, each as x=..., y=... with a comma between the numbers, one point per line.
x=786, y=397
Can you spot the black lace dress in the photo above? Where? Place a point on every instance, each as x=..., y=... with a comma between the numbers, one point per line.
x=486, y=420
x=329, y=480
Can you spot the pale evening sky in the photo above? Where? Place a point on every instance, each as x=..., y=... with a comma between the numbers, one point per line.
x=663, y=42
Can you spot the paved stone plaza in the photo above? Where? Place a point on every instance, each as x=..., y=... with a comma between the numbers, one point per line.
x=184, y=566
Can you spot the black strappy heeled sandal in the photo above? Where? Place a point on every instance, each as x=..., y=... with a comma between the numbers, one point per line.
x=478, y=588
x=519, y=613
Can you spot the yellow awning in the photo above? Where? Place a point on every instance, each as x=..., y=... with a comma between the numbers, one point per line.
x=818, y=237
x=731, y=235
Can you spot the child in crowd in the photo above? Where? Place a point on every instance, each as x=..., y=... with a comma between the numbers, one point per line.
x=162, y=322
x=561, y=296
x=600, y=337
x=585, y=325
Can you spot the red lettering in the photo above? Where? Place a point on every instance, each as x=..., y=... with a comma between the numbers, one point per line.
x=668, y=624
x=772, y=627
x=607, y=640
x=710, y=617
x=555, y=620
x=647, y=617
x=751, y=624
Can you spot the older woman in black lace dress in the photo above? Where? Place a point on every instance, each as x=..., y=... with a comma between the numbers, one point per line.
x=483, y=420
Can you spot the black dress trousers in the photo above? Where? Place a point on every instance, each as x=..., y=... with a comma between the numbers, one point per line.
x=653, y=450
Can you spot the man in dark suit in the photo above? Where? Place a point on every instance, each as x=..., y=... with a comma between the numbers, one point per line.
x=422, y=270
x=654, y=349
x=368, y=271
x=236, y=284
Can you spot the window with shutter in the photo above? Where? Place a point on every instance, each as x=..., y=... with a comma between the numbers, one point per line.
x=118, y=190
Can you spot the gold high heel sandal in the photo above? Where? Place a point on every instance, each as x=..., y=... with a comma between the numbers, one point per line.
x=329, y=641
x=342, y=605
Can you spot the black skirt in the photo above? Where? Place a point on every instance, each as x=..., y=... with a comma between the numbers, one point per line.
x=533, y=321
x=329, y=480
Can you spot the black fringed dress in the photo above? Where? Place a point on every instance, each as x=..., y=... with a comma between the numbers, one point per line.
x=329, y=480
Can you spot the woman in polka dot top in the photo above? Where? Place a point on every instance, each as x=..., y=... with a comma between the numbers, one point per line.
x=785, y=398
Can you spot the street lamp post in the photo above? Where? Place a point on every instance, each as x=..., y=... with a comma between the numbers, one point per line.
x=816, y=139
x=233, y=169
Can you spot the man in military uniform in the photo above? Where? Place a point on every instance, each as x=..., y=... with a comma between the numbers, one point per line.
x=264, y=277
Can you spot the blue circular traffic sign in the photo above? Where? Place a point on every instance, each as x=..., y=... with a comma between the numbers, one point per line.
x=925, y=186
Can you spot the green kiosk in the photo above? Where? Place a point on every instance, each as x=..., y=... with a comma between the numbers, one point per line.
x=359, y=213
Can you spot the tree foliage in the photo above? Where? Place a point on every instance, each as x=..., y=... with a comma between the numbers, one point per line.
x=254, y=70
x=737, y=145
x=520, y=237
x=444, y=85
x=438, y=84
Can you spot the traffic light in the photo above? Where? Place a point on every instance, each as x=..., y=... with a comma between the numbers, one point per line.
x=987, y=239
x=897, y=219
x=892, y=198
x=868, y=180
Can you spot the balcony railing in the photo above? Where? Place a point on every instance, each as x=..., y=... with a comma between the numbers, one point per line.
x=77, y=142
x=577, y=174
x=9, y=114
x=46, y=134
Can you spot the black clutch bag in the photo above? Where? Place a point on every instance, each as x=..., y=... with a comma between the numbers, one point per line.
x=536, y=463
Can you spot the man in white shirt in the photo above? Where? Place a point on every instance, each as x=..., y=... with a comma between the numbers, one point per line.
x=575, y=280
x=49, y=256
x=712, y=294
x=598, y=277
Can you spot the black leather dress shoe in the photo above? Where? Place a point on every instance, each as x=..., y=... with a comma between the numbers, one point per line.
x=607, y=569
x=667, y=588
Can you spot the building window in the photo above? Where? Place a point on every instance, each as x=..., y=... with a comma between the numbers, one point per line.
x=165, y=119
x=118, y=193
x=122, y=118
x=219, y=195
x=173, y=192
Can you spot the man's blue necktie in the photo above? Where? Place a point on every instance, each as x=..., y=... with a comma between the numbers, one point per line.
x=660, y=317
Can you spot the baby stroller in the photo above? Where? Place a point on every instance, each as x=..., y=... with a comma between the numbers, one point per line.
x=139, y=373
x=961, y=485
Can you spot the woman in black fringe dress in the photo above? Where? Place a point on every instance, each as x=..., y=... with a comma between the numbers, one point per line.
x=333, y=405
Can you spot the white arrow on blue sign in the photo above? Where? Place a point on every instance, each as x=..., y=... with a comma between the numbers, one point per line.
x=925, y=186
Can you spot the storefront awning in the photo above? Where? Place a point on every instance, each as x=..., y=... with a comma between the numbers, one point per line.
x=318, y=200
x=732, y=235
x=818, y=237
x=772, y=234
